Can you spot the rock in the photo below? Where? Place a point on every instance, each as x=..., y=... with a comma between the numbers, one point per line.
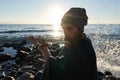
x=1, y=49
x=9, y=44
x=37, y=56
x=35, y=51
x=109, y=78
x=100, y=75
x=22, y=54
x=23, y=42
x=26, y=76
x=13, y=73
x=55, y=46
x=26, y=68
x=8, y=78
x=28, y=58
x=14, y=65
x=18, y=60
x=38, y=75
x=39, y=63
x=18, y=44
x=2, y=74
x=5, y=57
x=108, y=73
x=27, y=49
x=18, y=74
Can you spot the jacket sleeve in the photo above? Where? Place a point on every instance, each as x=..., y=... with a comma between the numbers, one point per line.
x=51, y=66
x=51, y=71
x=91, y=66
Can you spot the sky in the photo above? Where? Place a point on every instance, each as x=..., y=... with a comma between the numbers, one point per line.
x=51, y=11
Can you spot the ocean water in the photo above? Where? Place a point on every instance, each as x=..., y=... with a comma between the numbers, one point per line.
x=105, y=39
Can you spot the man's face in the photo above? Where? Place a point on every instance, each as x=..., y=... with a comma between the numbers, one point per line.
x=70, y=31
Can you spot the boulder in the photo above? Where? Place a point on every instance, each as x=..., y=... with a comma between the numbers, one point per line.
x=26, y=76
x=8, y=78
x=26, y=68
x=1, y=49
x=8, y=44
x=109, y=76
x=55, y=46
x=38, y=75
x=28, y=58
x=22, y=54
x=100, y=75
x=27, y=49
x=5, y=56
x=39, y=63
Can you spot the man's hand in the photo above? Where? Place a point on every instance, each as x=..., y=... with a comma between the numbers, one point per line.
x=41, y=45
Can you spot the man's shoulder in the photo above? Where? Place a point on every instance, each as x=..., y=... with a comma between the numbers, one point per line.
x=86, y=42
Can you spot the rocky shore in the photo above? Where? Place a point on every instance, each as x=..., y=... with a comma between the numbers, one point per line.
x=27, y=61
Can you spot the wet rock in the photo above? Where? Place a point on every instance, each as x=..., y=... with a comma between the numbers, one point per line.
x=18, y=44
x=22, y=54
x=2, y=74
x=14, y=65
x=18, y=60
x=5, y=57
x=35, y=51
x=8, y=44
x=23, y=42
x=26, y=76
x=37, y=56
x=27, y=49
x=38, y=75
x=7, y=70
x=1, y=49
x=109, y=76
x=18, y=74
x=8, y=78
x=28, y=58
x=39, y=63
x=26, y=68
x=13, y=73
x=107, y=73
x=100, y=75
x=55, y=46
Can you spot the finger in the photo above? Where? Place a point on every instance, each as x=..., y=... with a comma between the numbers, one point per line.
x=30, y=38
x=33, y=40
x=38, y=46
x=41, y=40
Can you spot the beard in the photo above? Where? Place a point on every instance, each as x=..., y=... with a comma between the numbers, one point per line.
x=70, y=42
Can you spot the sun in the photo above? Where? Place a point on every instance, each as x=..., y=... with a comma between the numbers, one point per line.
x=55, y=13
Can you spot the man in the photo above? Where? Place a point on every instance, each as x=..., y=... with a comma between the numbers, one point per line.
x=76, y=60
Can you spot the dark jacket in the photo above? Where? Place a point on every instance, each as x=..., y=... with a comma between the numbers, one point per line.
x=73, y=63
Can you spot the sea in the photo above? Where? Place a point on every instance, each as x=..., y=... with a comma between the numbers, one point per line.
x=105, y=39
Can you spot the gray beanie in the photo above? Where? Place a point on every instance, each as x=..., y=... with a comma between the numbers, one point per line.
x=76, y=16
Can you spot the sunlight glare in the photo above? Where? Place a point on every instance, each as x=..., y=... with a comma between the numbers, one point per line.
x=56, y=14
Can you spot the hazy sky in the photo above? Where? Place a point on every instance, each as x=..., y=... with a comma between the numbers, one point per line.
x=50, y=11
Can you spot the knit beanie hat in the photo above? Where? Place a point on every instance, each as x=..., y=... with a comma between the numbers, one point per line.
x=76, y=16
